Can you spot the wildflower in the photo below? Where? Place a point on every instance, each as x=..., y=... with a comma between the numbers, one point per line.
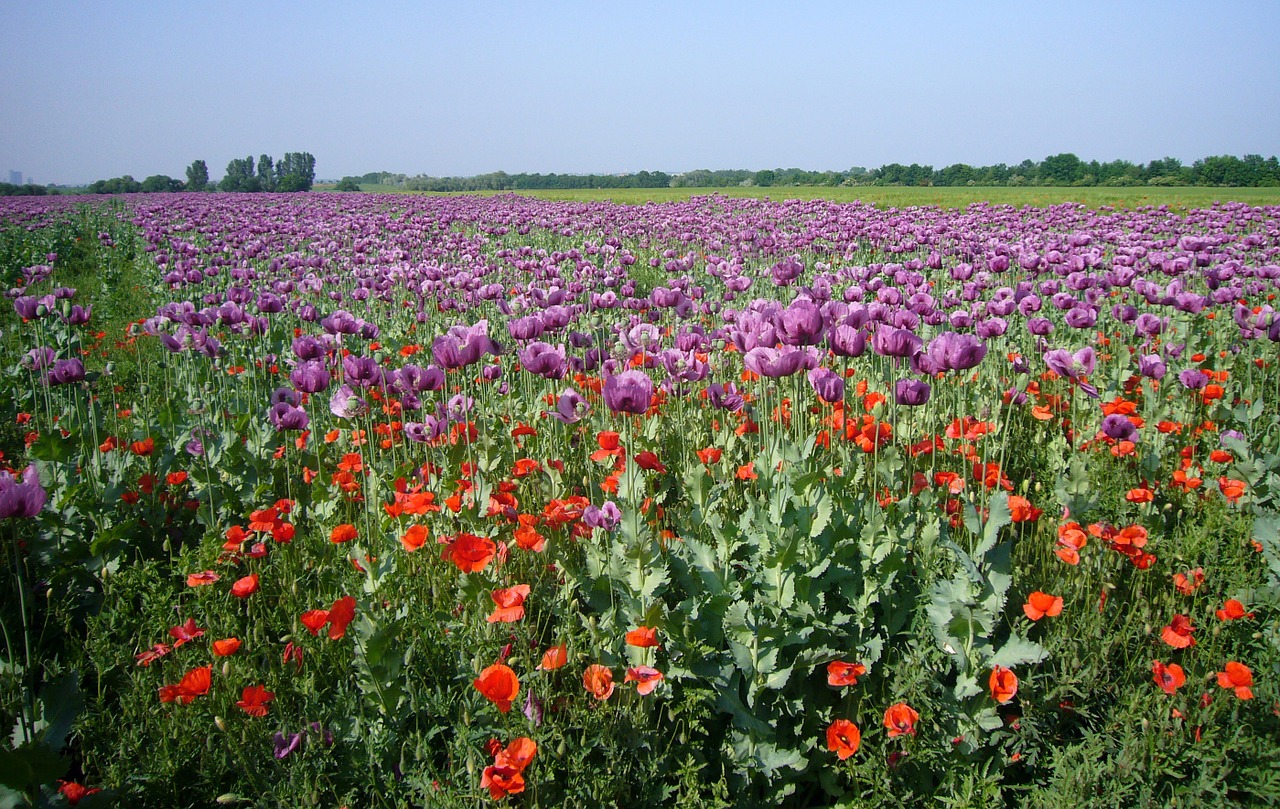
x=841, y=673
x=1170, y=678
x=184, y=633
x=900, y=720
x=628, y=392
x=645, y=677
x=194, y=683
x=1071, y=540
x=1238, y=677
x=843, y=738
x=1187, y=583
x=554, y=658
x=226, y=647
x=1178, y=633
x=254, y=699
x=1041, y=604
x=1231, y=489
x=75, y=792
x=598, y=680
x=245, y=587
x=471, y=553
x=21, y=499
x=499, y=684
x=202, y=578
x=1003, y=684
x=510, y=604
x=414, y=538
x=342, y=533
x=341, y=614
x=1232, y=610
x=643, y=637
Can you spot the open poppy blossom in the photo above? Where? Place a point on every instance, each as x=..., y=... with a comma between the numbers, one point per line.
x=341, y=614
x=1237, y=677
x=254, y=699
x=1187, y=583
x=471, y=553
x=414, y=538
x=598, y=680
x=1178, y=633
x=1232, y=610
x=245, y=587
x=843, y=738
x=1003, y=685
x=554, y=658
x=226, y=647
x=510, y=604
x=646, y=679
x=1041, y=604
x=841, y=673
x=194, y=683
x=499, y=684
x=506, y=775
x=342, y=533
x=900, y=720
x=185, y=633
x=202, y=578
x=1170, y=678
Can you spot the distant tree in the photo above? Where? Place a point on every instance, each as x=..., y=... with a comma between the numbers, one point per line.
x=347, y=184
x=266, y=174
x=764, y=178
x=197, y=176
x=296, y=172
x=1062, y=169
x=160, y=183
x=240, y=176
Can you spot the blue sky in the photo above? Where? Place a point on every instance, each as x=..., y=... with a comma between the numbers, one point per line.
x=90, y=90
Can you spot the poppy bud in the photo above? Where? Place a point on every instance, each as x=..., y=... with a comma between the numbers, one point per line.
x=222, y=726
x=226, y=668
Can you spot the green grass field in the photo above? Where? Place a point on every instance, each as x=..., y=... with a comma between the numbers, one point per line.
x=951, y=197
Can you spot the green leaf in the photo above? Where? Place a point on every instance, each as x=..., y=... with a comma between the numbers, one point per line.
x=1017, y=651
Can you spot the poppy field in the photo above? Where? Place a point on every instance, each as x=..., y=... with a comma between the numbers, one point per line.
x=367, y=500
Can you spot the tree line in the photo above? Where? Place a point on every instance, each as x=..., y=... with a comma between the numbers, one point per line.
x=296, y=171
x=1056, y=170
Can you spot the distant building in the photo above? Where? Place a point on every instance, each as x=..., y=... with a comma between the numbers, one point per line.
x=15, y=177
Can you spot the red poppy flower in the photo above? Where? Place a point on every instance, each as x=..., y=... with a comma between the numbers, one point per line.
x=313, y=620
x=414, y=538
x=153, y=654
x=643, y=637
x=843, y=738
x=1041, y=604
x=202, y=578
x=648, y=460
x=499, y=684
x=186, y=632
x=75, y=792
x=554, y=658
x=841, y=673
x=1187, y=583
x=518, y=754
x=598, y=680
x=1170, y=678
x=1071, y=540
x=1178, y=633
x=254, y=699
x=510, y=604
x=1231, y=489
x=502, y=781
x=747, y=472
x=1232, y=610
x=1021, y=510
x=194, y=683
x=245, y=587
x=342, y=533
x=1237, y=676
x=646, y=678
x=176, y=478
x=900, y=720
x=341, y=614
x=226, y=647
x=471, y=553
x=1003, y=684
x=709, y=455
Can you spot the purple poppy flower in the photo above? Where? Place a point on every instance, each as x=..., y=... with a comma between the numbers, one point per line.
x=345, y=404
x=27, y=307
x=1118, y=427
x=1193, y=379
x=37, y=359
x=308, y=348
x=286, y=746
x=628, y=392
x=425, y=431
x=847, y=341
x=1151, y=366
x=21, y=499
x=725, y=397
x=891, y=342
x=284, y=416
x=1071, y=366
x=570, y=407
x=800, y=324
x=362, y=371
x=779, y=362
x=66, y=372
x=911, y=392
x=310, y=377
x=340, y=322
x=544, y=360
x=827, y=384
x=951, y=351
x=607, y=516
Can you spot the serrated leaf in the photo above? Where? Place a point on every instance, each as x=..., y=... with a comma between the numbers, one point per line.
x=1017, y=651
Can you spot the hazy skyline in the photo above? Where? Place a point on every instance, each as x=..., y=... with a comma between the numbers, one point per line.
x=96, y=90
